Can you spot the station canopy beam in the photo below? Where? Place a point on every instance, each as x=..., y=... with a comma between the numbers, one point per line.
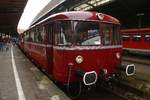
x=90, y=4
x=55, y=6
x=125, y=10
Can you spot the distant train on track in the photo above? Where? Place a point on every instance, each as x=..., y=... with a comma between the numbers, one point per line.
x=136, y=40
x=76, y=47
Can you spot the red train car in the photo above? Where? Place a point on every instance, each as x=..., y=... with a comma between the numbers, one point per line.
x=76, y=46
x=136, y=40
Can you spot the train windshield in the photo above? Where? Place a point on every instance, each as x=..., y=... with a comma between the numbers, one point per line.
x=78, y=33
x=86, y=33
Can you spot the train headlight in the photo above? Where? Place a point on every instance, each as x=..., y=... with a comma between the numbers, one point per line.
x=118, y=55
x=79, y=59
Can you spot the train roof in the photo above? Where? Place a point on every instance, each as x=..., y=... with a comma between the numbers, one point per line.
x=135, y=31
x=81, y=15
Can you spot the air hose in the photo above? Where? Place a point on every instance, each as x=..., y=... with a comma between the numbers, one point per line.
x=68, y=85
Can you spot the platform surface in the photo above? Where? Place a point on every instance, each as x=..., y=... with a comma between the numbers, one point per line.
x=22, y=80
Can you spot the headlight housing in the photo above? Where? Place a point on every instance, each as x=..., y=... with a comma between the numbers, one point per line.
x=79, y=59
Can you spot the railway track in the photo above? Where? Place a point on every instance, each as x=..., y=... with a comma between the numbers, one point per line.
x=124, y=91
x=141, y=79
x=115, y=93
x=114, y=90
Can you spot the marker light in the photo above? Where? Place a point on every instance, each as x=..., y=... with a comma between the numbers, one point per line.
x=118, y=55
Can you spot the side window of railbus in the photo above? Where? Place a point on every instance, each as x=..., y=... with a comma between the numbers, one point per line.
x=34, y=32
x=39, y=34
x=116, y=36
x=43, y=33
x=147, y=38
x=63, y=34
x=26, y=36
x=136, y=38
x=36, y=35
x=31, y=36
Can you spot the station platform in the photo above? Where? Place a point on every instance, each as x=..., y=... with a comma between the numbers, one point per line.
x=22, y=80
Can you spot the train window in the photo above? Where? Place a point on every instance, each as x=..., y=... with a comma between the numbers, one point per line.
x=107, y=31
x=125, y=37
x=147, y=38
x=116, y=38
x=64, y=33
x=32, y=36
x=26, y=36
x=78, y=32
x=39, y=34
x=136, y=37
x=29, y=39
x=43, y=33
x=36, y=35
x=87, y=33
x=111, y=34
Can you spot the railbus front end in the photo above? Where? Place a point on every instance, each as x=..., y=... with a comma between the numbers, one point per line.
x=85, y=49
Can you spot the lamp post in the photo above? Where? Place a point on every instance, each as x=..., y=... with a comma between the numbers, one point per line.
x=139, y=15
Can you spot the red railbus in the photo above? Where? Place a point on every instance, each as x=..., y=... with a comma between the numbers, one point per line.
x=136, y=40
x=76, y=46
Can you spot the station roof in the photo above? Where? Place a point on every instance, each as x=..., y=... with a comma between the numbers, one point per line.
x=129, y=12
x=55, y=6
x=10, y=13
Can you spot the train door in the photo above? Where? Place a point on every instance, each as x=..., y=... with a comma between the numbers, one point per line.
x=49, y=47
